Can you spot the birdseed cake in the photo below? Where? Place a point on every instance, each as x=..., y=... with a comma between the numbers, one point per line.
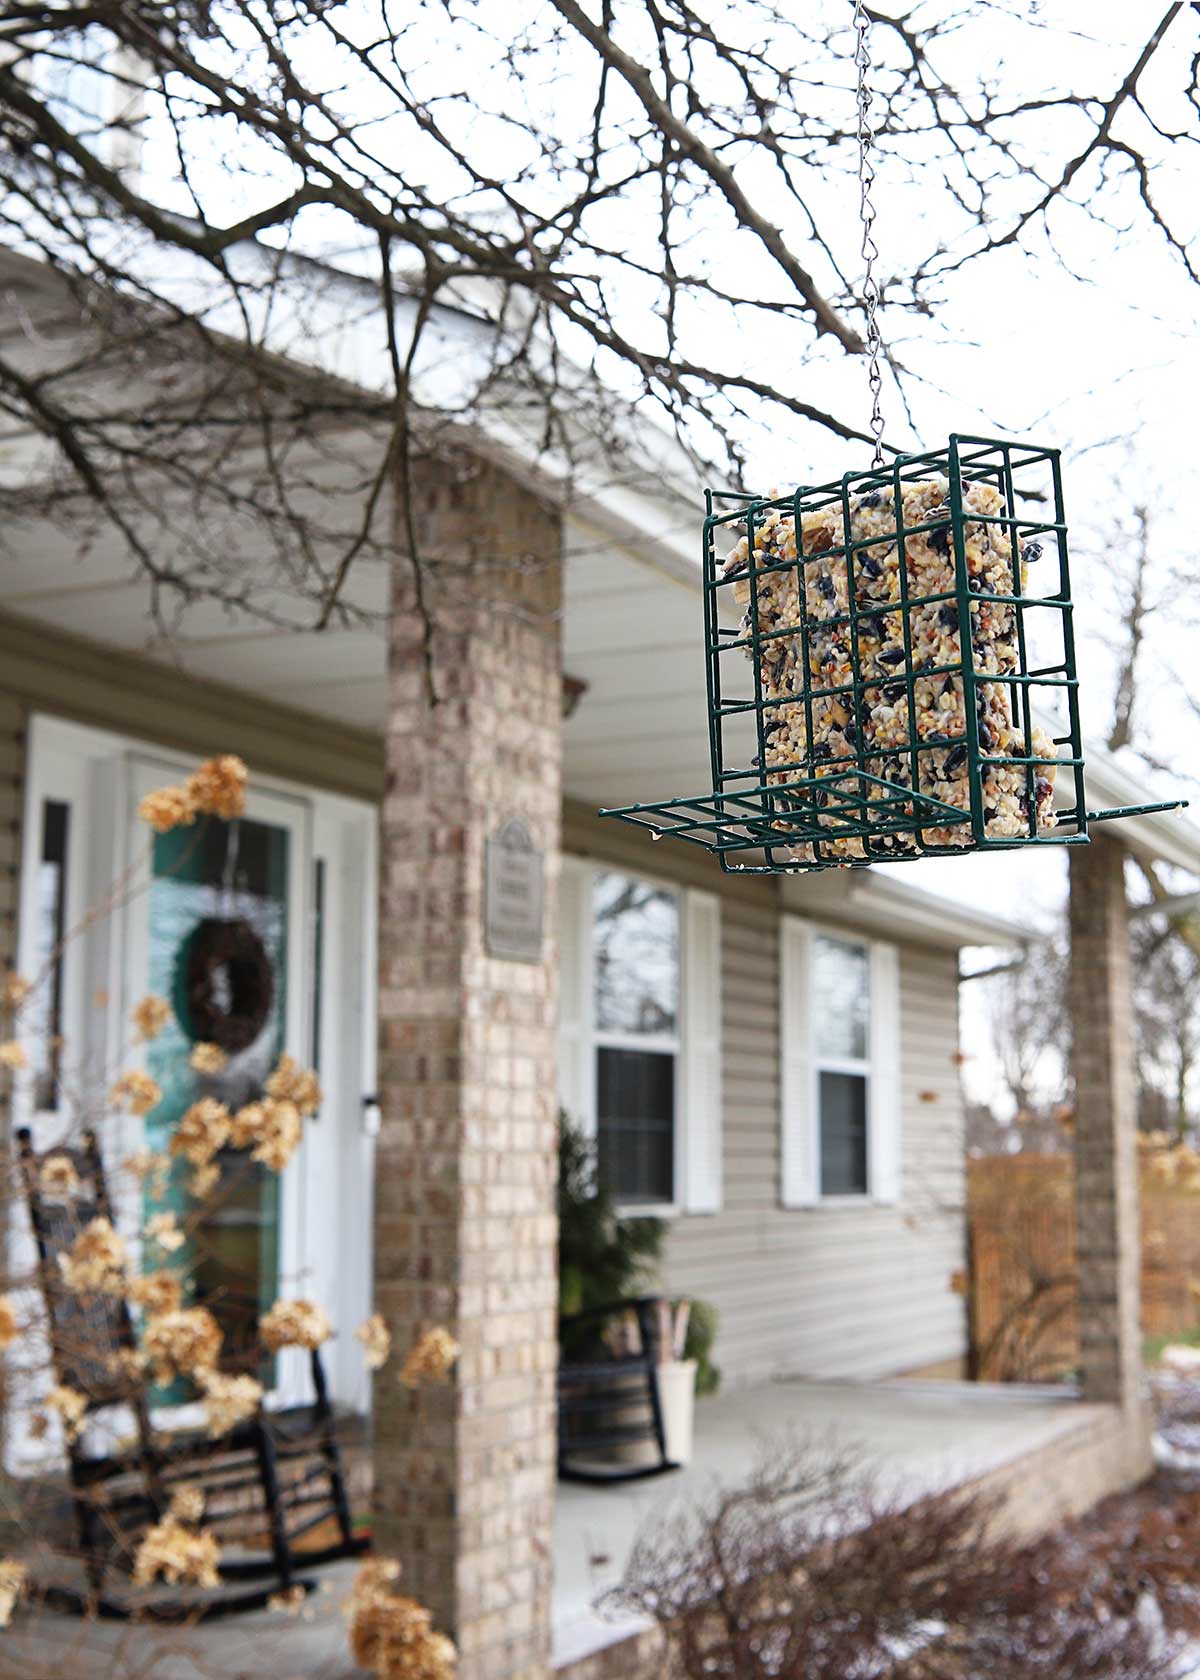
x=864, y=725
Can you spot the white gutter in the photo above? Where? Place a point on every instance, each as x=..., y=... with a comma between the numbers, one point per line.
x=880, y=903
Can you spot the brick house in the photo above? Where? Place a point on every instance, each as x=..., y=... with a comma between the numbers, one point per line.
x=770, y=1064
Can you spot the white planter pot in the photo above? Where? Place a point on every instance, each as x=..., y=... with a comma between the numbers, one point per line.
x=677, y=1397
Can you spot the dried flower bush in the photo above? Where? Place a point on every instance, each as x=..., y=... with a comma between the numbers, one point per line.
x=376, y=1341
x=807, y=1572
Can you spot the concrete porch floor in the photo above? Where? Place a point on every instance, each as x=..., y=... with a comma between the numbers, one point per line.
x=919, y=1436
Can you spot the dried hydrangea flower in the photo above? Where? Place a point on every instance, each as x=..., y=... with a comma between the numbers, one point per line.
x=12, y=1054
x=228, y=1400
x=13, y=1576
x=295, y=1084
x=392, y=1635
x=14, y=989
x=57, y=1178
x=300, y=1324
x=279, y=1135
x=376, y=1339
x=161, y=1228
x=187, y=1505
x=177, y=1554
x=430, y=1359
x=204, y=1181
x=136, y=1092
x=207, y=1058
x=203, y=1130
x=152, y=1168
x=150, y=1016
x=156, y=1292
x=181, y=1343
x=290, y=1602
x=10, y=1329
x=96, y=1262
x=246, y=1124
x=218, y=787
x=128, y=1364
x=167, y=808
x=71, y=1407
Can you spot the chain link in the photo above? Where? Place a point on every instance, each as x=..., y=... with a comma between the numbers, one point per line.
x=870, y=251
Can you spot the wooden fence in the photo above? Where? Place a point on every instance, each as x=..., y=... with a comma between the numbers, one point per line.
x=1021, y=1276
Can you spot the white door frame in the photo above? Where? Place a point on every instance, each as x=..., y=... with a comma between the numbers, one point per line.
x=325, y=1235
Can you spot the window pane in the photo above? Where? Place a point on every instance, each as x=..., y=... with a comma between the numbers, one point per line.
x=636, y=934
x=841, y=998
x=843, y=1134
x=635, y=1123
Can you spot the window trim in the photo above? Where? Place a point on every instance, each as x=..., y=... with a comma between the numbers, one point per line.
x=860, y=1066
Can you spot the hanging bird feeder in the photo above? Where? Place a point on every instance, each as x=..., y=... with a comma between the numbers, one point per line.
x=890, y=657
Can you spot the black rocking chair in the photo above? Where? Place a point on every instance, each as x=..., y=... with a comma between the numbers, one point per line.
x=608, y=1400
x=266, y=1484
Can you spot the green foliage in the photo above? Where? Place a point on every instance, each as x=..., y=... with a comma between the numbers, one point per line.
x=701, y=1334
x=601, y=1258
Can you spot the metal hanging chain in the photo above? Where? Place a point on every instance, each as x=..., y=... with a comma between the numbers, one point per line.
x=870, y=251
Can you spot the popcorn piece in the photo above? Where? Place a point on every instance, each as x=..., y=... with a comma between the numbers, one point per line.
x=203, y=1130
x=228, y=1400
x=57, y=1179
x=13, y=1579
x=181, y=1343
x=218, y=787
x=300, y=1324
x=161, y=1228
x=178, y=1554
x=292, y=1083
x=207, y=1058
x=10, y=1328
x=71, y=1407
x=150, y=1016
x=866, y=724
x=376, y=1339
x=96, y=1263
x=136, y=1092
x=167, y=808
x=431, y=1358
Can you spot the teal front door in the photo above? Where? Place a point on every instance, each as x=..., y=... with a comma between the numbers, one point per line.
x=220, y=942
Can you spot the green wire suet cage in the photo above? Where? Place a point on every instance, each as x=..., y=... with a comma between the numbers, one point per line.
x=853, y=716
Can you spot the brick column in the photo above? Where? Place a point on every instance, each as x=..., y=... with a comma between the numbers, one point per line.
x=1106, y=1167
x=465, y=1230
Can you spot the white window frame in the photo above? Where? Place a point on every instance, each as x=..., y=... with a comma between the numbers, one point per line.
x=695, y=1043
x=801, y=1068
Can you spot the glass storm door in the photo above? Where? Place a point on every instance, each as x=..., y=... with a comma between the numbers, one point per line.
x=222, y=941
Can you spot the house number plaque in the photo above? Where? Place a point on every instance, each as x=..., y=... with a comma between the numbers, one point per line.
x=513, y=894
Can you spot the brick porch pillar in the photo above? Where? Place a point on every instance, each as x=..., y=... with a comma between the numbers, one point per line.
x=1106, y=1167
x=465, y=1230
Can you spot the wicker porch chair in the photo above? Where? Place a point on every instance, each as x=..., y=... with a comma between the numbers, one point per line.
x=274, y=1478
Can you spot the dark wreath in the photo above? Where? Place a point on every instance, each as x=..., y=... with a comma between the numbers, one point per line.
x=228, y=983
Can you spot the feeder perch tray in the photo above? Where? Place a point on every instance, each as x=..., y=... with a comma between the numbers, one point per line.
x=850, y=719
